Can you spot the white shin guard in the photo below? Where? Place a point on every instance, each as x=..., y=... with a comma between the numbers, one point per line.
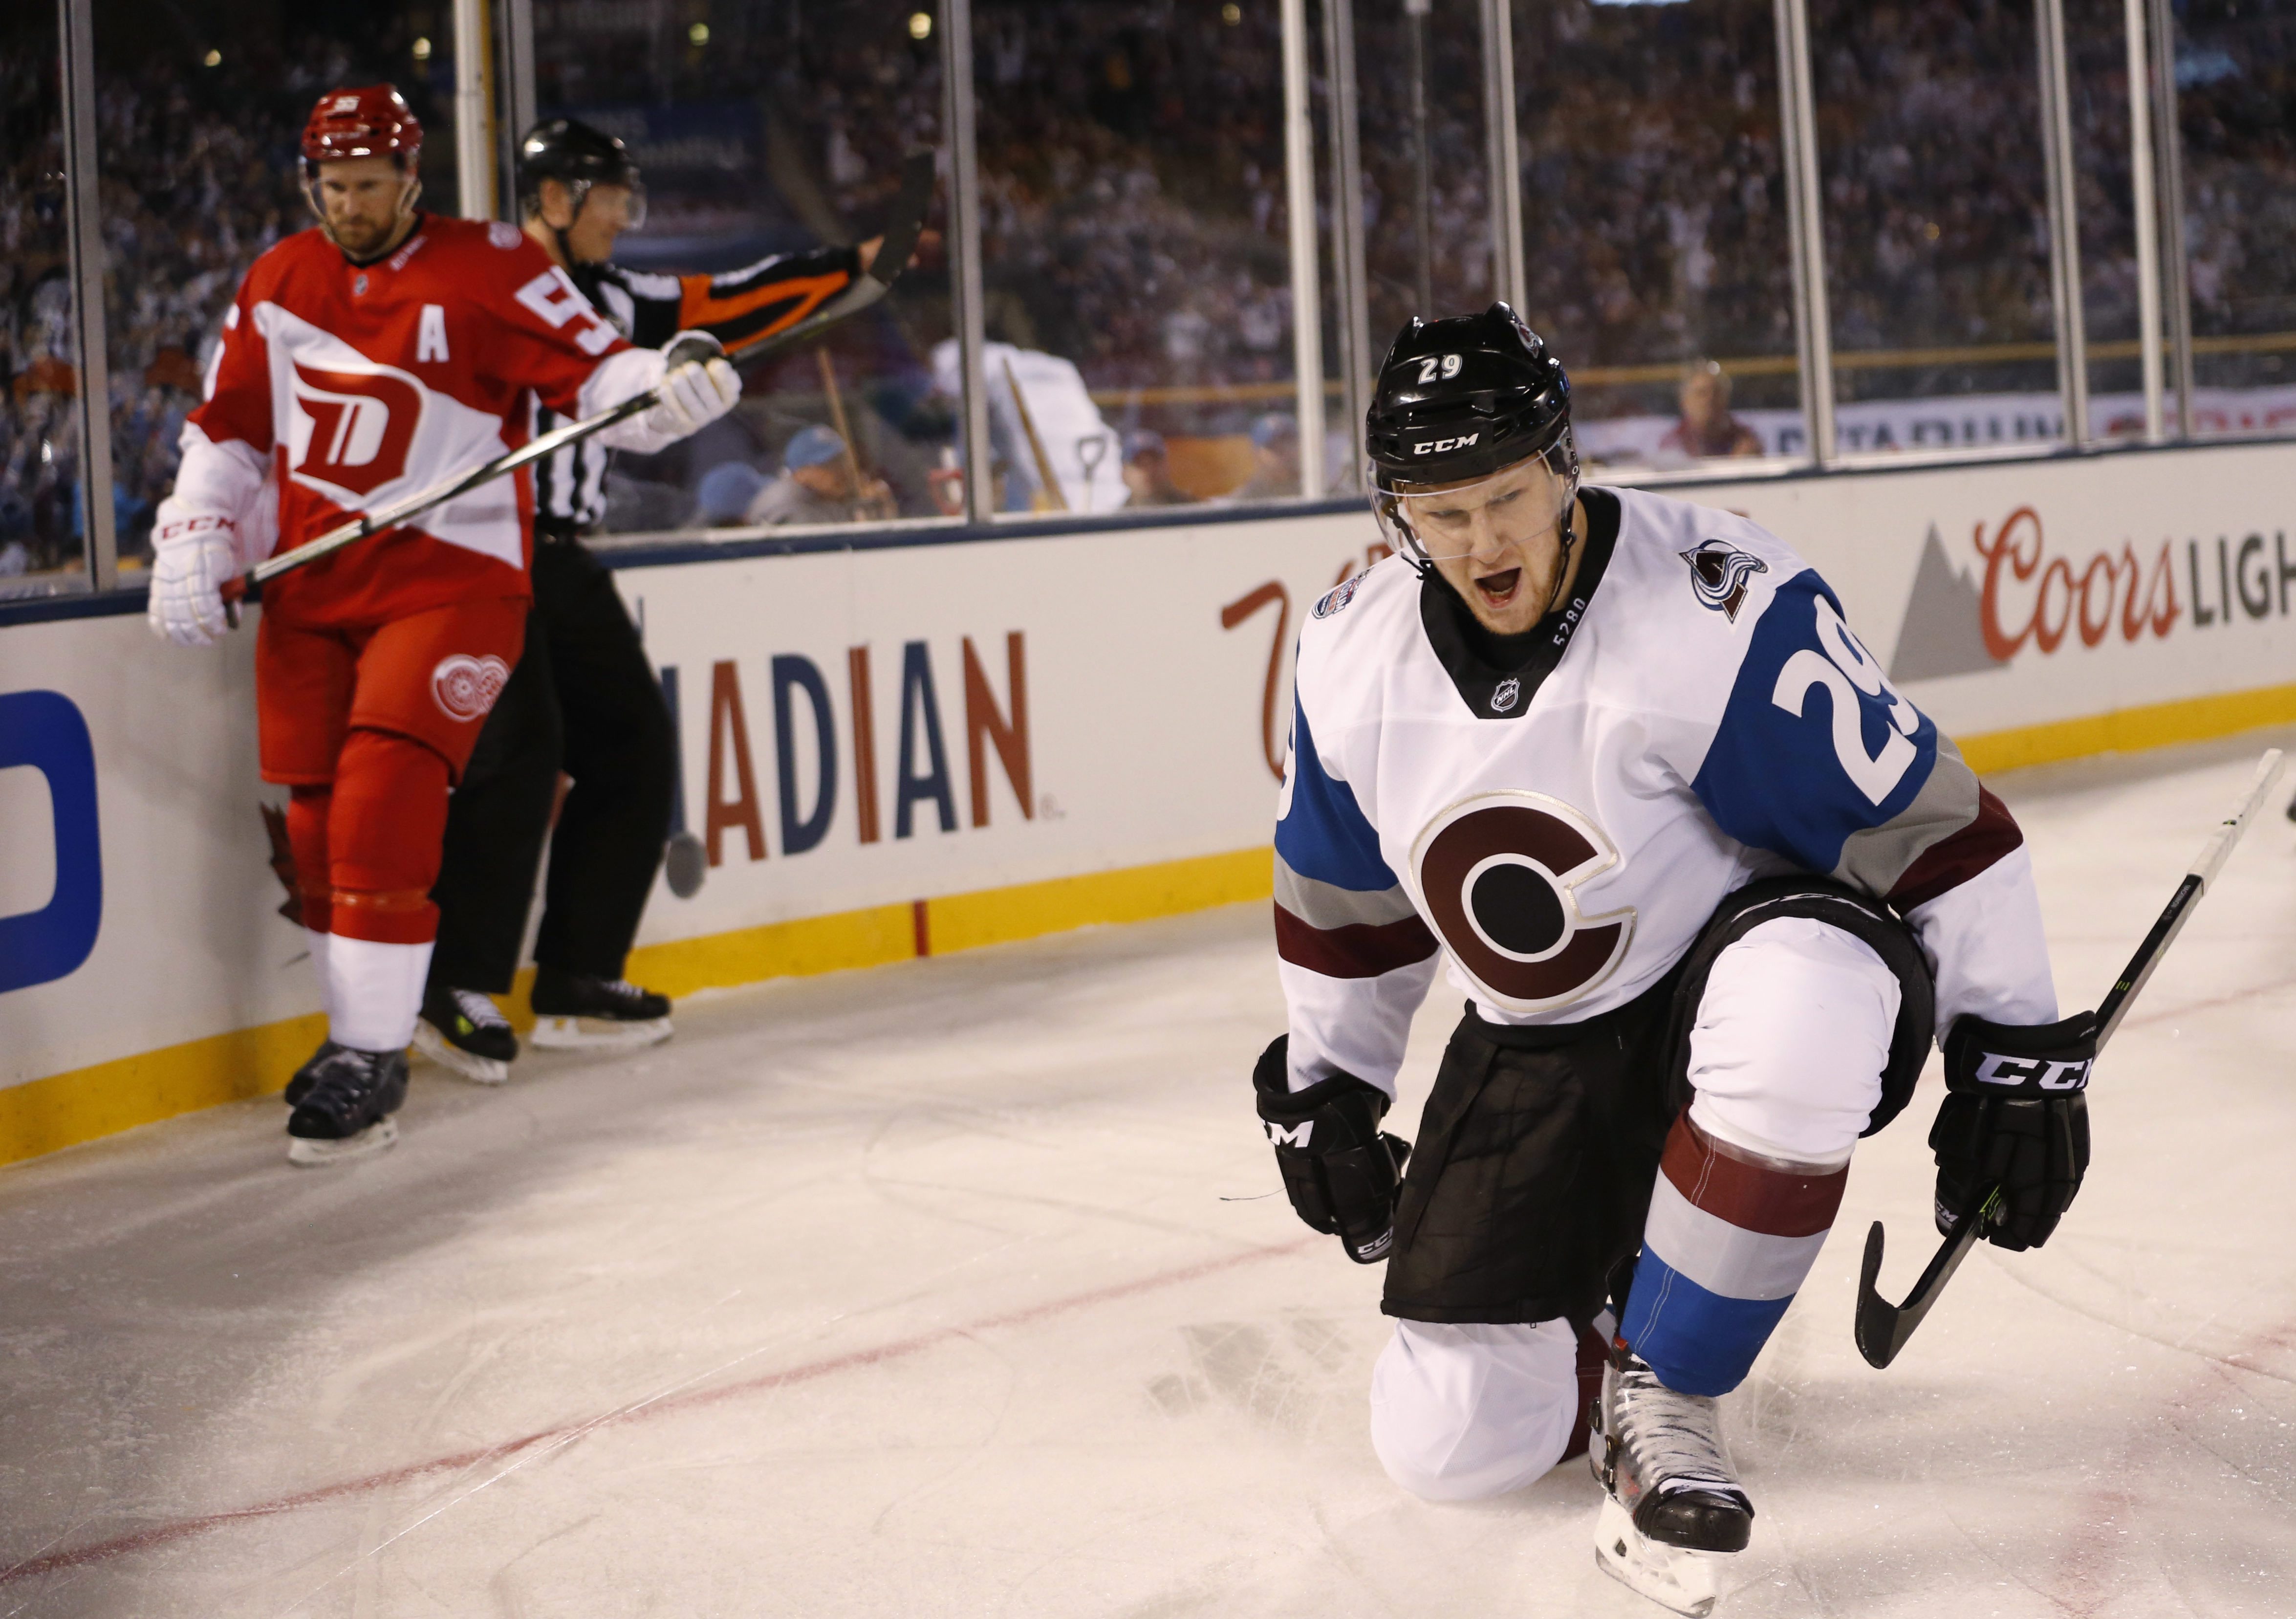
x=373, y=991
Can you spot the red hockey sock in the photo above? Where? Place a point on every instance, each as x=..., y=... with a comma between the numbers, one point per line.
x=308, y=809
x=383, y=838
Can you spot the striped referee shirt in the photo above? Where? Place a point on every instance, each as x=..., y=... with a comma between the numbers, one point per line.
x=739, y=307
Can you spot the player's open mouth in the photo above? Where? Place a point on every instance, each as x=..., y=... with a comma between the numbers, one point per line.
x=1498, y=589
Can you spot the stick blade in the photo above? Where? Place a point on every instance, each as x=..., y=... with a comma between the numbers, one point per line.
x=1878, y=1339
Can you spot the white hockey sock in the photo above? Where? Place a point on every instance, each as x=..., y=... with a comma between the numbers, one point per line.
x=373, y=992
x=318, y=943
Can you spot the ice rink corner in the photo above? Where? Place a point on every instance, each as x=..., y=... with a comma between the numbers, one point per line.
x=958, y=1288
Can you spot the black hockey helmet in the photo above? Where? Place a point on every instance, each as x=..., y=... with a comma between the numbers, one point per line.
x=1463, y=396
x=1466, y=397
x=580, y=155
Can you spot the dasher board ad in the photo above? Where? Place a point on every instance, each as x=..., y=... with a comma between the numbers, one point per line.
x=861, y=728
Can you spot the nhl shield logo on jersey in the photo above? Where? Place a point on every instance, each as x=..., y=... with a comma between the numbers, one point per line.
x=465, y=687
x=1499, y=874
x=1505, y=694
x=1338, y=596
x=1718, y=572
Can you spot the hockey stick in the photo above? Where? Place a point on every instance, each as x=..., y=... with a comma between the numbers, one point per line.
x=1050, y=497
x=249, y=585
x=1883, y=1328
x=893, y=254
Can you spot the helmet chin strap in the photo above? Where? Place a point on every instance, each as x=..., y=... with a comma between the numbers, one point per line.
x=579, y=191
x=1566, y=535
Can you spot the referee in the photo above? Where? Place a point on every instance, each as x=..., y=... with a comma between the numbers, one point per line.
x=583, y=698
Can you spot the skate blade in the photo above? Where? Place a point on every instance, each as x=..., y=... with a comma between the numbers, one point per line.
x=312, y=1154
x=596, y=1033
x=463, y=1064
x=1669, y=1575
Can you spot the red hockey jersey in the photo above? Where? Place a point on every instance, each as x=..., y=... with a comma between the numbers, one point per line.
x=340, y=388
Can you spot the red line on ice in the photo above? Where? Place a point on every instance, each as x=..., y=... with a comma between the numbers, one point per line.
x=161, y=1534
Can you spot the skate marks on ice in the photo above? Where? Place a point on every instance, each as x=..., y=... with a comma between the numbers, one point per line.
x=821, y=1176
x=902, y=1177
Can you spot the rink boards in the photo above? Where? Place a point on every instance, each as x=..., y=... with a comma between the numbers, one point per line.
x=915, y=748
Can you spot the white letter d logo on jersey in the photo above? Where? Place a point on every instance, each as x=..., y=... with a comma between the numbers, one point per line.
x=360, y=427
x=1499, y=874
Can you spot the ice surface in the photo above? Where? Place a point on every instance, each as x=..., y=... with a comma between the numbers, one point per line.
x=916, y=1291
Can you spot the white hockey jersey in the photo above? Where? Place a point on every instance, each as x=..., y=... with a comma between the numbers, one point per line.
x=1696, y=716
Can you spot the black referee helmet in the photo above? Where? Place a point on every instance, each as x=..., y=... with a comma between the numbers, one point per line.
x=579, y=155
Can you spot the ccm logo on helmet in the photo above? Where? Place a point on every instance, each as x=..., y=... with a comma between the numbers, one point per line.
x=1436, y=446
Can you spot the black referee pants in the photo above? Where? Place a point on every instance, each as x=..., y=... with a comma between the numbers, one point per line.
x=582, y=699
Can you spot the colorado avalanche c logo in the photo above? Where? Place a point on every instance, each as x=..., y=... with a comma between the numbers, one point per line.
x=1718, y=572
x=465, y=687
x=1499, y=874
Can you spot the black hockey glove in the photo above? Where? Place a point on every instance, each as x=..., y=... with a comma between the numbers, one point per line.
x=2017, y=1119
x=1341, y=1171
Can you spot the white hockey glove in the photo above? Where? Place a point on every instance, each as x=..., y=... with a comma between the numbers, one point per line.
x=191, y=556
x=694, y=393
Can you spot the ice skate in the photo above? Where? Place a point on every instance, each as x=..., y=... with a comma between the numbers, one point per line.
x=1672, y=1500
x=345, y=1114
x=465, y=1033
x=299, y=1087
x=575, y=1012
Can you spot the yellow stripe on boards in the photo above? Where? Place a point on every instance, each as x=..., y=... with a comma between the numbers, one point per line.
x=62, y=1110
x=996, y=916
x=2156, y=725
x=65, y=1109
x=778, y=950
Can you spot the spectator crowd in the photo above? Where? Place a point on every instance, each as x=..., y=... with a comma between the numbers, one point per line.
x=1132, y=193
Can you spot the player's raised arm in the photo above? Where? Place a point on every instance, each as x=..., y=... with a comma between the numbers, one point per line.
x=746, y=306
x=555, y=339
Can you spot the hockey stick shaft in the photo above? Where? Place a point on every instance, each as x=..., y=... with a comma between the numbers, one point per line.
x=2171, y=922
x=1882, y=1329
x=437, y=495
x=893, y=254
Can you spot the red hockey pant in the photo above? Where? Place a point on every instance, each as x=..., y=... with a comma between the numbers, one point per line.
x=369, y=726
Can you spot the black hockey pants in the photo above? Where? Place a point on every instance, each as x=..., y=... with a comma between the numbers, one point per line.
x=583, y=698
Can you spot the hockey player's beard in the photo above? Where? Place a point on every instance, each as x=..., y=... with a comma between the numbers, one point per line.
x=1509, y=594
x=365, y=241
x=363, y=238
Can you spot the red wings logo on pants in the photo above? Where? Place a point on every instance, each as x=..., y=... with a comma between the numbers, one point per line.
x=361, y=424
x=1499, y=874
x=466, y=687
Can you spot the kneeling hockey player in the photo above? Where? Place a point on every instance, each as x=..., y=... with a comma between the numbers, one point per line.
x=372, y=357
x=1711, y=884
